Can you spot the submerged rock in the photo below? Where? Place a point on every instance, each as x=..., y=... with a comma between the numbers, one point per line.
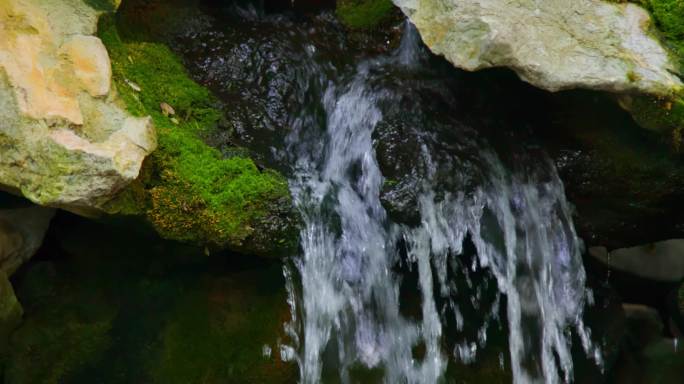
x=552, y=44
x=65, y=139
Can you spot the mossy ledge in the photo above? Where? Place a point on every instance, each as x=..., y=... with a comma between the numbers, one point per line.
x=663, y=114
x=187, y=190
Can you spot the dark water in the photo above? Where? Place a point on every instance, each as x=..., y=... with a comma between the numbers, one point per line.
x=438, y=245
x=106, y=303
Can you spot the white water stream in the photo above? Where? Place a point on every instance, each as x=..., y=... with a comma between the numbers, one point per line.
x=345, y=286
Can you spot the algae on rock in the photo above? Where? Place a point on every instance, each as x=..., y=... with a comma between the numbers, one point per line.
x=363, y=14
x=188, y=190
x=664, y=114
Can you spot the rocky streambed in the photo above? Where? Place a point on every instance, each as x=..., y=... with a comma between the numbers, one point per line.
x=325, y=198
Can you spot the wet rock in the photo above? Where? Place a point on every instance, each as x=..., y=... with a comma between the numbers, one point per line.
x=65, y=139
x=265, y=66
x=645, y=321
x=659, y=361
x=650, y=275
x=625, y=182
x=188, y=190
x=661, y=261
x=554, y=45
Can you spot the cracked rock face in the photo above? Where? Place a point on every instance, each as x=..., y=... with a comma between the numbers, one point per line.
x=65, y=140
x=552, y=44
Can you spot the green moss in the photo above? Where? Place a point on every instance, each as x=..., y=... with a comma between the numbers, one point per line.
x=669, y=18
x=663, y=114
x=669, y=15
x=189, y=191
x=363, y=14
x=659, y=114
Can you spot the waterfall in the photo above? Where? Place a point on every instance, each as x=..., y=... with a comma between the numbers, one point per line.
x=345, y=286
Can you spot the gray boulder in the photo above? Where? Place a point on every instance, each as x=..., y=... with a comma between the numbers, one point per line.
x=552, y=44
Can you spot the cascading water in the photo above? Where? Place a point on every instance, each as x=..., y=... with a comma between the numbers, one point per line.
x=346, y=312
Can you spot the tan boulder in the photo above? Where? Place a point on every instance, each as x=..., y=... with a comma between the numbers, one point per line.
x=65, y=139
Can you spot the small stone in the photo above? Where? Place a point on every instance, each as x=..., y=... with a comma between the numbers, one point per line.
x=166, y=109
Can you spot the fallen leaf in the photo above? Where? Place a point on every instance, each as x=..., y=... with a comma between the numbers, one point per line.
x=133, y=85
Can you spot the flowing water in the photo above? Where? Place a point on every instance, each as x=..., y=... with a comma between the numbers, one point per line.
x=424, y=239
x=345, y=286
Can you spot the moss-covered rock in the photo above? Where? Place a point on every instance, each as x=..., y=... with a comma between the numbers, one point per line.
x=665, y=114
x=657, y=114
x=669, y=16
x=364, y=14
x=188, y=190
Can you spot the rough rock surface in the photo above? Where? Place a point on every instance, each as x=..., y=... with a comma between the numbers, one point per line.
x=64, y=138
x=552, y=44
x=21, y=234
